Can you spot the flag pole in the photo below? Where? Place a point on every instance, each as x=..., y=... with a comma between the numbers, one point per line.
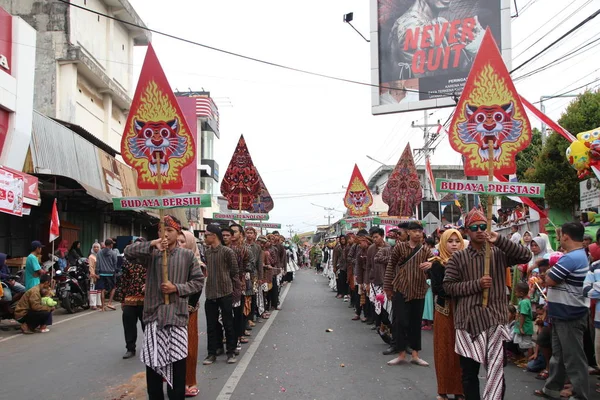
x=490, y=201
x=165, y=271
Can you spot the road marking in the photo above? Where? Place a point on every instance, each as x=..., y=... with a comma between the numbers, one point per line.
x=53, y=324
x=239, y=370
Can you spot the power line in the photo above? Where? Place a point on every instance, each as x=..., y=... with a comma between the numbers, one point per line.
x=234, y=54
x=579, y=25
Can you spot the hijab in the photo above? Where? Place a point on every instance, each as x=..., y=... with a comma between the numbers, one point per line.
x=541, y=242
x=444, y=253
x=549, y=248
x=92, y=252
x=190, y=244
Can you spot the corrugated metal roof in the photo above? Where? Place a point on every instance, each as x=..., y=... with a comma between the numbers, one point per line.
x=62, y=152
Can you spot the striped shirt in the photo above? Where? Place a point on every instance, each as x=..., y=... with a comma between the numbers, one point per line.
x=222, y=267
x=258, y=266
x=361, y=265
x=566, y=300
x=461, y=281
x=184, y=273
x=402, y=273
x=377, y=259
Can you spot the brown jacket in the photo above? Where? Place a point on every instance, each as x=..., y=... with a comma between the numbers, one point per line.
x=31, y=301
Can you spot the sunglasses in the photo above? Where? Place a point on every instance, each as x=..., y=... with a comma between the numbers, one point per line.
x=473, y=228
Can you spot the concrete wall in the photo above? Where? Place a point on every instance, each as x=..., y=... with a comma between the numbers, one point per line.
x=16, y=95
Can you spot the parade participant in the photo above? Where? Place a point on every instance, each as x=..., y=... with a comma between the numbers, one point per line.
x=350, y=260
x=246, y=265
x=31, y=312
x=131, y=286
x=222, y=278
x=33, y=270
x=568, y=311
x=376, y=267
x=106, y=269
x=405, y=284
x=191, y=389
x=165, y=337
x=268, y=262
x=276, y=254
x=480, y=332
x=262, y=287
x=95, y=300
x=257, y=275
x=361, y=273
x=402, y=234
x=446, y=360
x=340, y=267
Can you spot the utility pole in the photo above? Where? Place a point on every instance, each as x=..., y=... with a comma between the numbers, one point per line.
x=543, y=110
x=428, y=139
x=329, y=215
x=290, y=229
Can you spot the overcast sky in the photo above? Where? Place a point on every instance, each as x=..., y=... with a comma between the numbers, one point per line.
x=306, y=133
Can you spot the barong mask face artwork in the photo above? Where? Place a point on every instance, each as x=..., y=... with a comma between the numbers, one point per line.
x=358, y=197
x=156, y=129
x=489, y=110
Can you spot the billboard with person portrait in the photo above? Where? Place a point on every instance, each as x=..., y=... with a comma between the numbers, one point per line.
x=422, y=50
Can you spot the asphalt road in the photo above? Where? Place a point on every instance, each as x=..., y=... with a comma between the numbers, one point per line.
x=290, y=356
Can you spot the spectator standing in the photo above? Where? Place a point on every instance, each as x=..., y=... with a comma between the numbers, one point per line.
x=33, y=270
x=132, y=284
x=106, y=269
x=95, y=300
x=568, y=310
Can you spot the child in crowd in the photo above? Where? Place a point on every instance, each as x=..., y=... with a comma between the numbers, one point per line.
x=47, y=300
x=524, y=326
x=511, y=348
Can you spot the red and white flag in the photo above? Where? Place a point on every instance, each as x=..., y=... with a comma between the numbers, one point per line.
x=54, y=223
x=431, y=179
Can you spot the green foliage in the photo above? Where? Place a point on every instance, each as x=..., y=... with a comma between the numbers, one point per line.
x=526, y=159
x=296, y=239
x=551, y=166
x=553, y=169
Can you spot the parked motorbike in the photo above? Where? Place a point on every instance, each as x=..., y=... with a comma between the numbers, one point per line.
x=73, y=285
x=7, y=308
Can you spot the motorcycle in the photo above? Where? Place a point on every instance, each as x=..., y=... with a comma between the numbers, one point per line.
x=7, y=308
x=73, y=286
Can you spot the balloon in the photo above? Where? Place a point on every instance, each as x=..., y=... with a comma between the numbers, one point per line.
x=589, y=136
x=578, y=155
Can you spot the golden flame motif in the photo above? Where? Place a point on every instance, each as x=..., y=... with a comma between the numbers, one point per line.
x=155, y=105
x=489, y=89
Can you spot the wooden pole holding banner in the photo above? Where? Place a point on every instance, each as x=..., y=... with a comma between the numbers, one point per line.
x=165, y=260
x=240, y=207
x=490, y=202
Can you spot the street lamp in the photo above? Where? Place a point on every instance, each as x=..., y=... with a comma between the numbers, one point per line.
x=348, y=19
x=377, y=161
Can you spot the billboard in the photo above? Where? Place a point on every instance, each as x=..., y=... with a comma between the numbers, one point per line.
x=422, y=50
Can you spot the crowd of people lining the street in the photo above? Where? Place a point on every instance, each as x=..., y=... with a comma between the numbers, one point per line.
x=240, y=272
x=538, y=312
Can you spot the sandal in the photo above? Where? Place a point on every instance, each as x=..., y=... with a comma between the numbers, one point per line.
x=540, y=393
x=191, y=392
x=244, y=340
x=441, y=397
x=542, y=376
x=111, y=307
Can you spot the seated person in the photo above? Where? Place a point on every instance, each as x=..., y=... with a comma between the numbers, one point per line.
x=31, y=312
x=11, y=287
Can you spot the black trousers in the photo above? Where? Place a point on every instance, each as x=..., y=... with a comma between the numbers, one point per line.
x=239, y=322
x=155, y=387
x=131, y=315
x=274, y=294
x=342, y=285
x=366, y=308
x=215, y=341
x=470, y=379
x=382, y=318
x=33, y=319
x=406, y=327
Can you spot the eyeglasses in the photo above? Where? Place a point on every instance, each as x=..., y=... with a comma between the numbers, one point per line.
x=473, y=228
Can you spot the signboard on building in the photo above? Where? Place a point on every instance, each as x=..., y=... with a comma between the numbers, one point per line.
x=11, y=192
x=589, y=194
x=422, y=51
x=263, y=225
x=5, y=41
x=162, y=202
x=493, y=188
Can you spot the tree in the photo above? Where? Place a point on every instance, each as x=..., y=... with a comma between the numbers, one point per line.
x=526, y=159
x=551, y=166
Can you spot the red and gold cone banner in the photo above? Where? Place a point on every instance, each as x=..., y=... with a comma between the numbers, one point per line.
x=156, y=130
x=403, y=190
x=489, y=109
x=241, y=182
x=358, y=197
